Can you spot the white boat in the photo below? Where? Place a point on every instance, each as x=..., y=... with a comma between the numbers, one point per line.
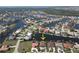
x=17, y=31
x=28, y=36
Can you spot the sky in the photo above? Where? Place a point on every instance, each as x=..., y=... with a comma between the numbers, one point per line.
x=39, y=2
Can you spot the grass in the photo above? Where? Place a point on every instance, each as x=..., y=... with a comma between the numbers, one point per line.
x=10, y=42
x=76, y=50
x=10, y=51
x=25, y=46
x=67, y=50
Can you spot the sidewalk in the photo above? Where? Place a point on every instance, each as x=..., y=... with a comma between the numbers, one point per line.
x=16, y=47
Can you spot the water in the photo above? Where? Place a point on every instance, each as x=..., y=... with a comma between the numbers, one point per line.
x=76, y=26
x=19, y=24
x=54, y=37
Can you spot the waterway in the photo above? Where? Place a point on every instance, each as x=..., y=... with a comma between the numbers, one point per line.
x=19, y=24
x=48, y=37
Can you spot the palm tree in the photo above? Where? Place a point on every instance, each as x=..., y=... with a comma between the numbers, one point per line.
x=43, y=37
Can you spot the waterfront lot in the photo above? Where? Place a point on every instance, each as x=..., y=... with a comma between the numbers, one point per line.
x=25, y=46
x=10, y=51
x=10, y=42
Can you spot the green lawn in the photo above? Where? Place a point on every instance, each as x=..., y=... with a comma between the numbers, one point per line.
x=76, y=50
x=67, y=50
x=25, y=46
x=11, y=42
x=10, y=51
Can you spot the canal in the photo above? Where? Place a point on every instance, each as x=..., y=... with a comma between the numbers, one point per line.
x=19, y=24
x=48, y=37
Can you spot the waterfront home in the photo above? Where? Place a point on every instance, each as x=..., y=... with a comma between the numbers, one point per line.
x=42, y=46
x=51, y=46
x=59, y=46
x=34, y=47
